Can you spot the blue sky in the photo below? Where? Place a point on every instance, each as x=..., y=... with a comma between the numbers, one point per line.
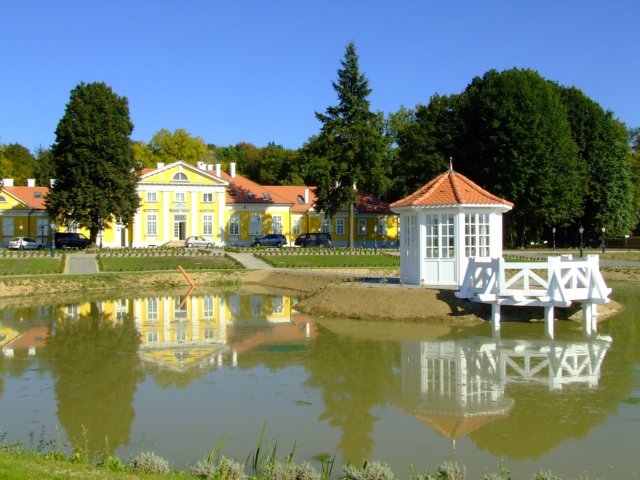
x=257, y=70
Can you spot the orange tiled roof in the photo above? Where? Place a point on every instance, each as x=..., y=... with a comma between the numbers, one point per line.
x=450, y=188
x=295, y=195
x=33, y=197
x=370, y=204
x=243, y=190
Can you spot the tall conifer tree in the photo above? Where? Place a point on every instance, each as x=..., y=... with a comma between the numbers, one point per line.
x=350, y=148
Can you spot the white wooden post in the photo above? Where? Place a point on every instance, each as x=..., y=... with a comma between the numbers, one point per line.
x=548, y=320
x=586, y=318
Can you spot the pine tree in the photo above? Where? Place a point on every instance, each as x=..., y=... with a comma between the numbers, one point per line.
x=350, y=148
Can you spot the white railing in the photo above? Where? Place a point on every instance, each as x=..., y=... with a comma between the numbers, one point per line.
x=559, y=280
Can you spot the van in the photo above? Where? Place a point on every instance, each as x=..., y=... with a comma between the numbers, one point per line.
x=313, y=240
x=66, y=240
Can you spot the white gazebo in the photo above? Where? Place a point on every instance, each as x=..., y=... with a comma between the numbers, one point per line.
x=443, y=224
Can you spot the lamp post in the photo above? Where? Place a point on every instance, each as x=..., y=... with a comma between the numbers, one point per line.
x=581, y=230
x=53, y=238
x=604, y=245
x=626, y=238
x=553, y=236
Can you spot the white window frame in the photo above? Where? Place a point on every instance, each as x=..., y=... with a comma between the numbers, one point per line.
x=297, y=226
x=340, y=226
x=208, y=305
x=207, y=224
x=477, y=238
x=234, y=226
x=381, y=228
x=326, y=225
x=208, y=197
x=255, y=225
x=440, y=236
x=276, y=224
x=362, y=227
x=180, y=177
x=152, y=224
x=180, y=197
x=152, y=197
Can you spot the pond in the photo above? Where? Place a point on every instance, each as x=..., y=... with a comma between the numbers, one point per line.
x=177, y=374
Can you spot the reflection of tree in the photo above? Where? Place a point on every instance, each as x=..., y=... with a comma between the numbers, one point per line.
x=355, y=376
x=546, y=418
x=95, y=366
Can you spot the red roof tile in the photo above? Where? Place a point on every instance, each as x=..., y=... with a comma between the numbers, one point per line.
x=33, y=197
x=450, y=188
x=243, y=190
x=295, y=195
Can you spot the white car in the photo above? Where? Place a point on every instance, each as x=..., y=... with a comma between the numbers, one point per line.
x=196, y=241
x=25, y=243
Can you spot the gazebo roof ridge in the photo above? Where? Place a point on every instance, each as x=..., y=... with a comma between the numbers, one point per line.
x=451, y=188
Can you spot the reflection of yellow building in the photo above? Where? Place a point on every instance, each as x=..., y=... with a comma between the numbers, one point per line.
x=185, y=331
x=7, y=334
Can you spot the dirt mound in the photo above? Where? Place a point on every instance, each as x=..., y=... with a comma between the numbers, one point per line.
x=386, y=302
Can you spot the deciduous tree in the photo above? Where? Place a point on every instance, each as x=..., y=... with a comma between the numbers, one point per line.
x=95, y=173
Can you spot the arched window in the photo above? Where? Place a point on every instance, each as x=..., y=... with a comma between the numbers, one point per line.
x=180, y=177
x=3, y=198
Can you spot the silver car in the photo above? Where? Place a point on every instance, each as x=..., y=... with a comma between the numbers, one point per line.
x=197, y=241
x=25, y=243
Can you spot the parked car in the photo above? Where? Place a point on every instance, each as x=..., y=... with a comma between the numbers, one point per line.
x=66, y=240
x=314, y=240
x=197, y=241
x=25, y=243
x=270, y=240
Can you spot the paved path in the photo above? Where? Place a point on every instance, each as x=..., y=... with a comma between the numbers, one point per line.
x=250, y=262
x=81, y=264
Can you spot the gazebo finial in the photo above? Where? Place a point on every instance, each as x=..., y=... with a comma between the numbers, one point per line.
x=451, y=164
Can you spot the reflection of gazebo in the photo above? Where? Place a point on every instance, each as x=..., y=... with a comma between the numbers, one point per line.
x=446, y=386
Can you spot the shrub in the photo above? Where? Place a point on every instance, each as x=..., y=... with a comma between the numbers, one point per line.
x=149, y=462
x=369, y=471
x=291, y=471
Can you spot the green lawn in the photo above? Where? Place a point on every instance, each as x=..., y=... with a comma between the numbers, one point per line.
x=30, y=266
x=332, y=261
x=188, y=262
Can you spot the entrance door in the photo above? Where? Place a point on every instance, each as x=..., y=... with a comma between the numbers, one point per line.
x=180, y=227
x=440, y=261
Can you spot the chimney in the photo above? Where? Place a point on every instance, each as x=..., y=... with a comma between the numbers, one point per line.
x=31, y=182
x=8, y=182
x=52, y=182
x=306, y=196
x=160, y=165
x=209, y=167
x=202, y=166
x=232, y=169
x=217, y=169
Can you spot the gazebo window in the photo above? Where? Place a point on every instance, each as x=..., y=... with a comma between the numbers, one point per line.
x=440, y=240
x=476, y=237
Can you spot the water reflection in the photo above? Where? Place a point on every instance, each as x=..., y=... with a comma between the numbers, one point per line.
x=110, y=362
x=458, y=386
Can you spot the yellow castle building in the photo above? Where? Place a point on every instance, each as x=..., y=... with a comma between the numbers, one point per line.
x=179, y=200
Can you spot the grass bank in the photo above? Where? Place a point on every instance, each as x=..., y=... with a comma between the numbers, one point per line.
x=260, y=465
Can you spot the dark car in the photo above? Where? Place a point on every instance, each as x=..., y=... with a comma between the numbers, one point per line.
x=314, y=240
x=66, y=240
x=271, y=240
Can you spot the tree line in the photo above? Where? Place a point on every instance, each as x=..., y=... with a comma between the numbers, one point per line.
x=555, y=153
